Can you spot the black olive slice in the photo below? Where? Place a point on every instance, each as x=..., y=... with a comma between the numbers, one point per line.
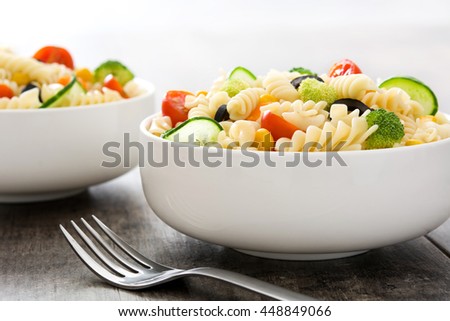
x=353, y=104
x=222, y=114
x=30, y=86
x=297, y=81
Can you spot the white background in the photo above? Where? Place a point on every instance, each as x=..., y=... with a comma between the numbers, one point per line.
x=182, y=44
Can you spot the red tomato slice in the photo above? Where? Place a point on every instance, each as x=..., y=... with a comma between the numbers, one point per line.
x=277, y=126
x=6, y=91
x=343, y=68
x=52, y=54
x=112, y=83
x=173, y=106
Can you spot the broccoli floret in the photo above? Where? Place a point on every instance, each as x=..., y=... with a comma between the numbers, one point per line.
x=234, y=86
x=390, y=129
x=312, y=89
x=303, y=71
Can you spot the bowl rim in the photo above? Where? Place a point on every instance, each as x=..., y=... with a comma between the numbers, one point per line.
x=150, y=91
x=143, y=127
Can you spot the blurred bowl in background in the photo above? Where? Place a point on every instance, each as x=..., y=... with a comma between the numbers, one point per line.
x=57, y=152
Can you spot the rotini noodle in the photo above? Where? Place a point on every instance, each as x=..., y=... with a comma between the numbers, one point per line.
x=393, y=99
x=241, y=133
x=160, y=124
x=329, y=138
x=339, y=112
x=5, y=74
x=241, y=106
x=305, y=114
x=279, y=85
x=36, y=70
x=352, y=86
x=207, y=107
x=94, y=97
x=27, y=100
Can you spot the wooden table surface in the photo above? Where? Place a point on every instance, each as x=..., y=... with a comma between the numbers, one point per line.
x=36, y=263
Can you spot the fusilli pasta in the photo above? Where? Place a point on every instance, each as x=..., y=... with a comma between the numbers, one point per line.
x=352, y=86
x=329, y=138
x=27, y=100
x=36, y=70
x=305, y=114
x=393, y=99
x=160, y=124
x=279, y=85
x=241, y=106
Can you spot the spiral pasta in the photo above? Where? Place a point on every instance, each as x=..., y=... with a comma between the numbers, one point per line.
x=217, y=84
x=305, y=114
x=12, y=85
x=329, y=138
x=160, y=124
x=312, y=120
x=277, y=108
x=429, y=130
x=339, y=112
x=94, y=97
x=27, y=100
x=133, y=89
x=279, y=85
x=352, y=86
x=36, y=70
x=193, y=101
x=5, y=74
x=393, y=99
x=241, y=106
x=241, y=133
x=409, y=125
x=207, y=107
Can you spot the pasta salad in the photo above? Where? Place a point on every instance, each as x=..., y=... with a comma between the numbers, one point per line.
x=50, y=79
x=297, y=110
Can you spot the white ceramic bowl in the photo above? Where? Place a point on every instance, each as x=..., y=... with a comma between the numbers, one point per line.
x=53, y=153
x=380, y=198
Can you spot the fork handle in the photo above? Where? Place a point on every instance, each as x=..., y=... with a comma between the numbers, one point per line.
x=267, y=289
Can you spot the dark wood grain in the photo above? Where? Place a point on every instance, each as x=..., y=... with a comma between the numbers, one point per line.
x=36, y=263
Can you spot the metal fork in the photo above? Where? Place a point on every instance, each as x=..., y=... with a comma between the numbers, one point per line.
x=141, y=272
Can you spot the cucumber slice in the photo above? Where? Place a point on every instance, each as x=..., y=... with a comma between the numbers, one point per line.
x=242, y=74
x=204, y=129
x=116, y=68
x=417, y=90
x=63, y=97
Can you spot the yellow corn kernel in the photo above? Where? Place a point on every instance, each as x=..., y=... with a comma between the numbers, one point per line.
x=411, y=142
x=428, y=118
x=201, y=92
x=264, y=139
x=84, y=74
x=267, y=99
x=20, y=78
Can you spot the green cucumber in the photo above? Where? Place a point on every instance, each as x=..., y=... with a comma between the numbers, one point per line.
x=115, y=68
x=242, y=73
x=417, y=90
x=204, y=129
x=63, y=97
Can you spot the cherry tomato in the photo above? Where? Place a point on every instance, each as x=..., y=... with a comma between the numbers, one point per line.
x=173, y=106
x=343, y=68
x=52, y=54
x=112, y=83
x=5, y=91
x=277, y=126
